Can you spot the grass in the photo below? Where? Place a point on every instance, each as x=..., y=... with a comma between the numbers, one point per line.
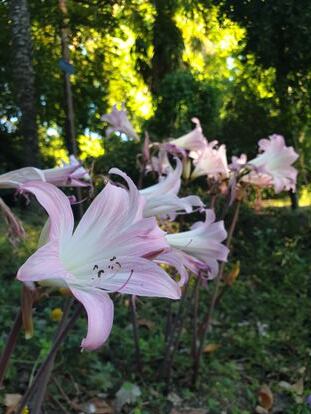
x=304, y=200
x=261, y=332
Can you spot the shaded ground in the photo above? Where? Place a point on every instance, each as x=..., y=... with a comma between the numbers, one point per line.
x=261, y=334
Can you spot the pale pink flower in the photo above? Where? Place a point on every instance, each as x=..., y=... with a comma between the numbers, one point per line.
x=242, y=172
x=69, y=175
x=107, y=252
x=14, y=179
x=237, y=163
x=72, y=174
x=194, y=141
x=174, y=150
x=258, y=179
x=202, y=244
x=275, y=160
x=119, y=122
x=162, y=199
x=160, y=164
x=183, y=262
x=212, y=162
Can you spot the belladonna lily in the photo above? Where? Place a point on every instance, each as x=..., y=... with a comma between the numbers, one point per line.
x=211, y=162
x=159, y=164
x=69, y=175
x=276, y=161
x=194, y=141
x=201, y=247
x=162, y=199
x=72, y=174
x=109, y=251
x=119, y=121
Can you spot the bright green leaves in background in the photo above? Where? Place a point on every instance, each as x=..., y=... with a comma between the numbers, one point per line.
x=242, y=67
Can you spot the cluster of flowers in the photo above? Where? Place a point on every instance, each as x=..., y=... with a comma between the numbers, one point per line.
x=118, y=245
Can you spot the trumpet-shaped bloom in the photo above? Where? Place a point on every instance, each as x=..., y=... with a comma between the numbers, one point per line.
x=183, y=262
x=194, y=141
x=202, y=245
x=119, y=122
x=237, y=163
x=162, y=199
x=160, y=164
x=108, y=252
x=258, y=179
x=72, y=174
x=276, y=161
x=14, y=179
x=212, y=162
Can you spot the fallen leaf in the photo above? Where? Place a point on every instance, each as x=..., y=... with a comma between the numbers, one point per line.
x=11, y=401
x=265, y=397
x=174, y=399
x=101, y=407
x=261, y=410
x=189, y=411
x=211, y=348
x=298, y=387
x=146, y=323
x=232, y=276
x=285, y=385
x=127, y=394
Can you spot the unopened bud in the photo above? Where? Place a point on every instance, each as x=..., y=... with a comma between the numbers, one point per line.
x=186, y=169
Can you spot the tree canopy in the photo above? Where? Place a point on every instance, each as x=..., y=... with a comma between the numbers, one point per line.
x=242, y=67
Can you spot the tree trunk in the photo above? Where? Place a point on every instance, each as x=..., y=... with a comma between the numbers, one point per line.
x=24, y=78
x=70, y=134
x=167, y=42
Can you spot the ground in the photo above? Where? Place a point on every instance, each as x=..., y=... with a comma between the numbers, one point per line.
x=260, y=333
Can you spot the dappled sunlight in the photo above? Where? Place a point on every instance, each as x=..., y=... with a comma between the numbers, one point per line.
x=304, y=200
x=208, y=44
x=150, y=152
x=90, y=146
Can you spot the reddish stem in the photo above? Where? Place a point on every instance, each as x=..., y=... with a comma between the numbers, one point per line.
x=10, y=346
x=215, y=299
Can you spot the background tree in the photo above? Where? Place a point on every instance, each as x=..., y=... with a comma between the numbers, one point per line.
x=24, y=78
x=277, y=34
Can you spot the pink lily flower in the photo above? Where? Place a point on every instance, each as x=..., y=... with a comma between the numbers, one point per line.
x=183, y=262
x=201, y=247
x=70, y=175
x=258, y=179
x=194, y=141
x=162, y=199
x=73, y=175
x=212, y=162
x=14, y=179
x=109, y=251
x=237, y=163
x=119, y=121
x=160, y=164
x=275, y=160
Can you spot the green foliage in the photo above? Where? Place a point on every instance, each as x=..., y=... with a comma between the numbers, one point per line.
x=242, y=67
x=182, y=97
x=121, y=153
x=277, y=34
x=261, y=325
